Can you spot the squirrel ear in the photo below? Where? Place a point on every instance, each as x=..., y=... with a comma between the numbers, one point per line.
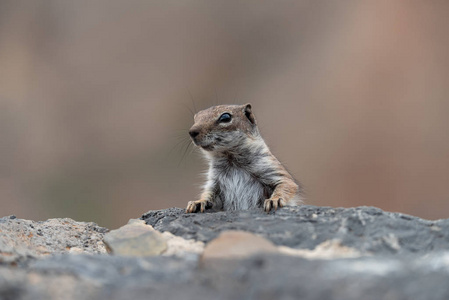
x=249, y=114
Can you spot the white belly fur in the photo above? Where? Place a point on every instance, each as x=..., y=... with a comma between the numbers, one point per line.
x=239, y=190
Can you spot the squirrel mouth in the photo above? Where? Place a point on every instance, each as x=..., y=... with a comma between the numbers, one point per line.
x=209, y=147
x=200, y=143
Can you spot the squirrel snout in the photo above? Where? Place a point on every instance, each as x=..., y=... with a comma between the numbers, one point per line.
x=194, y=133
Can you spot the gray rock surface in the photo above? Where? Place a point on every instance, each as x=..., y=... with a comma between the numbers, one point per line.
x=23, y=239
x=259, y=277
x=394, y=256
x=367, y=229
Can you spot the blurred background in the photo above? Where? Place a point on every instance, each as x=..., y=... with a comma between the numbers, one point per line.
x=352, y=96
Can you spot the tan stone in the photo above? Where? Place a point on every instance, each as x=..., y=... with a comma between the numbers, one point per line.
x=138, y=221
x=135, y=239
x=178, y=246
x=237, y=244
x=330, y=249
x=76, y=250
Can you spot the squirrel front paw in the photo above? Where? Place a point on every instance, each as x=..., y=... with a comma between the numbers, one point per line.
x=273, y=203
x=199, y=205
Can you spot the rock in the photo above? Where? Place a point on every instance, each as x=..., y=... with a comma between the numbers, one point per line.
x=76, y=250
x=306, y=253
x=237, y=244
x=368, y=230
x=327, y=250
x=135, y=239
x=92, y=277
x=23, y=239
x=230, y=247
x=175, y=245
x=264, y=276
x=180, y=247
x=135, y=221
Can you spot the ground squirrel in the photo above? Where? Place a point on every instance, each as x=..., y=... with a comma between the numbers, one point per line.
x=243, y=174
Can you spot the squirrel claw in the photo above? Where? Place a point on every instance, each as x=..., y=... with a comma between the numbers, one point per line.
x=198, y=206
x=273, y=203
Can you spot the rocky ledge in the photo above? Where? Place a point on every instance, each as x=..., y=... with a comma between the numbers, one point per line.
x=305, y=252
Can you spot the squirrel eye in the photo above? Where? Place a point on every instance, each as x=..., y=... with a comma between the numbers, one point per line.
x=224, y=118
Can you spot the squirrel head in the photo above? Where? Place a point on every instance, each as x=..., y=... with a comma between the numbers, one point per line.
x=223, y=127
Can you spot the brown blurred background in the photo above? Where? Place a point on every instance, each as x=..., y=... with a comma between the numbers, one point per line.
x=353, y=96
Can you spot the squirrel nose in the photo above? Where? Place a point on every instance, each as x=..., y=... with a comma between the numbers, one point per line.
x=194, y=133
